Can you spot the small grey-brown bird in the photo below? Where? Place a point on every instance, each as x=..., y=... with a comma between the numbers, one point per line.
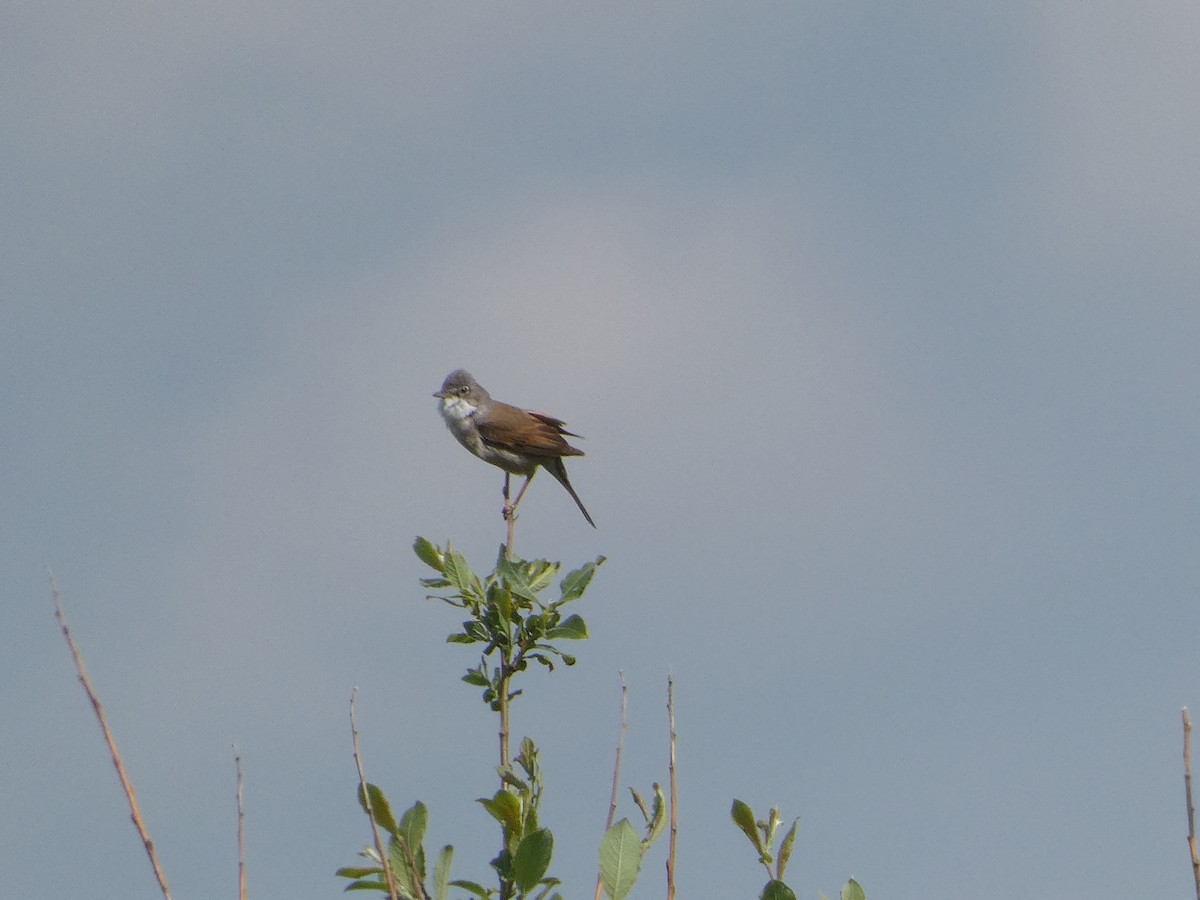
x=513, y=439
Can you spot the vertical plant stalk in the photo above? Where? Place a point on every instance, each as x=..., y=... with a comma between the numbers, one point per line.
x=241, y=827
x=1187, y=790
x=512, y=536
x=126, y=785
x=505, y=676
x=616, y=782
x=510, y=520
x=674, y=791
x=362, y=785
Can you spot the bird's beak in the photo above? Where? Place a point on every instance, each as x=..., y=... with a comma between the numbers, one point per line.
x=438, y=394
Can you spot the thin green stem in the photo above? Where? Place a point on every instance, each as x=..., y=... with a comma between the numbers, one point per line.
x=502, y=697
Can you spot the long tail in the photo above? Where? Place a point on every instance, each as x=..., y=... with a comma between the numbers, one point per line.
x=556, y=468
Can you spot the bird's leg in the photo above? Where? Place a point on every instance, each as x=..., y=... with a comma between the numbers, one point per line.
x=512, y=510
x=508, y=509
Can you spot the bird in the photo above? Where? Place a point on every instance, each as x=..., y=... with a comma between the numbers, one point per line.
x=510, y=438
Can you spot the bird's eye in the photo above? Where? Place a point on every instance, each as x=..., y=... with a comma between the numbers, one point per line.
x=463, y=389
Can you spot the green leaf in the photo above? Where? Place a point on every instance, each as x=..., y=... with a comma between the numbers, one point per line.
x=525, y=593
x=502, y=863
x=429, y=554
x=412, y=827
x=658, y=819
x=379, y=807
x=354, y=872
x=539, y=573
x=502, y=600
x=640, y=803
x=853, y=891
x=511, y=571
x=773, y=823
x=575, y=583
x=743, y=818
x=458, y=572
x=620, y=859
x=531, y=816
x=785, y=849
x=532, y=858
x=476, y=632
x=406, y=878
x=476, y=889
x=505, y=809
x=367, y=886
x=441, y=873
x=521, y=578
x=572, y=628
x=776, y=890
x=535, y=626
x=527, y=757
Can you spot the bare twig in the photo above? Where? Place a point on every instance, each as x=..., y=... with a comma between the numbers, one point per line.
x=674, y=791
x=241, y=827
x=126, y=785
x=362, y=786
x=510, y=519
x=616, y=782
x=1187, y=788
x=612, y=803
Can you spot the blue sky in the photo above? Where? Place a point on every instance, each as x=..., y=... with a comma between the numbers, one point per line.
x=881, y=323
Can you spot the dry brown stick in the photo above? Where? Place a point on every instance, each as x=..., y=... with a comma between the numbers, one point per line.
x=126, y=785
x=674, y=791
x=362, y=786
x=241, y=827
x=616, y=782
x=1187, y=789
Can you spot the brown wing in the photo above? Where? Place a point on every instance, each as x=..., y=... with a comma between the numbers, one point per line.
x=556, y=424
x=526, y=432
